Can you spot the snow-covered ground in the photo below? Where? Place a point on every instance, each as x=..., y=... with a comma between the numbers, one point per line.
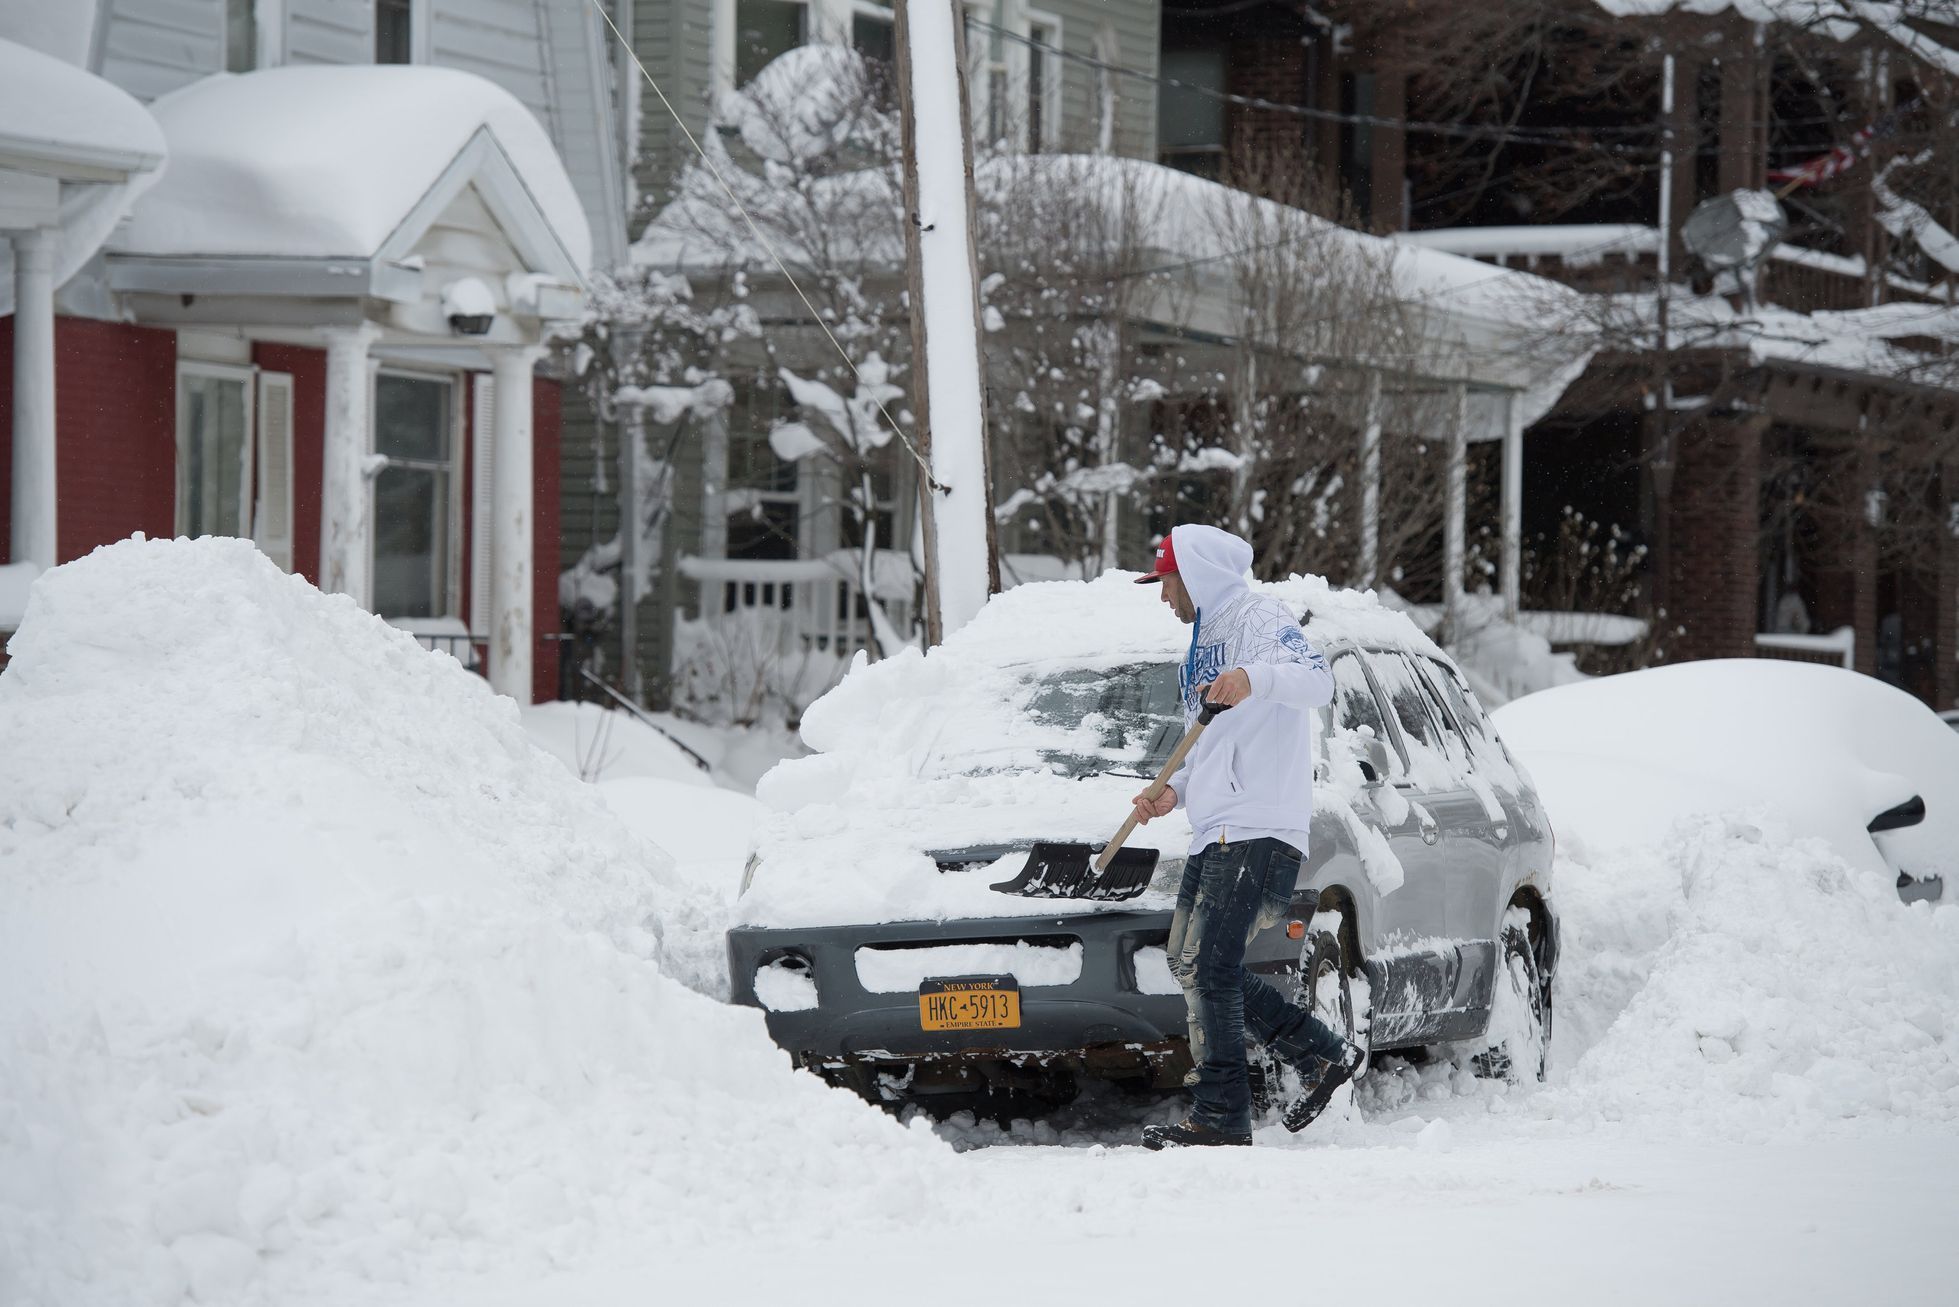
x=320, y=983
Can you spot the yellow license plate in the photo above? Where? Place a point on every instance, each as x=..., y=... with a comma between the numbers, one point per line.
x=969, y=1003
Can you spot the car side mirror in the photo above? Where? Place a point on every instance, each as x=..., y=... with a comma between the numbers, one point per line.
x=1374, y=761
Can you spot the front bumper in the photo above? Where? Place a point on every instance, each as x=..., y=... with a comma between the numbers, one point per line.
x=1101, y=1012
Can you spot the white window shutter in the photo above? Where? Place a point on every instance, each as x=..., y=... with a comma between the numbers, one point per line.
x=483, y=406
x=273, y=528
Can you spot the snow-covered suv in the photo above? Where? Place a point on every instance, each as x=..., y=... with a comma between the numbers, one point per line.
x=1423, y=913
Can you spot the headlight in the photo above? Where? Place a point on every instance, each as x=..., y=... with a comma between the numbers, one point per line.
x=748, y=873
x=1169, y=874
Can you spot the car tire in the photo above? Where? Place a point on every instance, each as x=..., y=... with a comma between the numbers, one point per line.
x=1519, y=1031
x=1334, y=986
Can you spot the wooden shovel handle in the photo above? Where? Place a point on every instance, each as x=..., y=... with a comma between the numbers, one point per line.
x=1162, y=781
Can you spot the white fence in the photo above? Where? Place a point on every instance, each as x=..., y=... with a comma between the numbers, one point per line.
x=819, y=599
x=1839, y=646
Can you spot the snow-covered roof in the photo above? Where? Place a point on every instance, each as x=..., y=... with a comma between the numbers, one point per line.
x=1182, y=219
x=1838, y=18
x=328, y=162
x=88, y=137
x=59, y=120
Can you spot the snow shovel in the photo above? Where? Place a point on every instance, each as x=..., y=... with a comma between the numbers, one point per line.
x=1060, y=870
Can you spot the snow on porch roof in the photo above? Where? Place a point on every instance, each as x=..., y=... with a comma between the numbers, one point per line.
x=1841, y=19
x=327, y=162
x=61, y=120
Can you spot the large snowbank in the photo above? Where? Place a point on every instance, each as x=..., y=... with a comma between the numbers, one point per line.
x=317, y=978
x=313, y=162
x=1736, y=981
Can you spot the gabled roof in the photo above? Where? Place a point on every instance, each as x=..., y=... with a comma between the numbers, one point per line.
x=343, y=163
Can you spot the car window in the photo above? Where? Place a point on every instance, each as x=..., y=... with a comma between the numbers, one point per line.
x=1485, y=745
x=1356, y=712
x=1125, y=719
x=1429, y=761
x=1462, y=705
x=1448, y=734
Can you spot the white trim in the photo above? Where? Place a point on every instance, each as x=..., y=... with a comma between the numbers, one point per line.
x=420, y=23
x=273, y=442
x=270, y=17
x=482, y=465
x=483, y=164
x=243, y=377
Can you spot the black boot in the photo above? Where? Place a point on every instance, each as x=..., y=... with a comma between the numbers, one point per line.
x=1189, y=1134
x=1316, y=1088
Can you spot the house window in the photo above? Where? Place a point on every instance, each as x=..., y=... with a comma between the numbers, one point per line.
x=415, y=496
x=765, y=492
x=214, y=451
x=1043, y=85
x=1190, y=118
x=765, y=29
x=1357, y=143
x=240, y=36
x=394, y=41
x=872, y=36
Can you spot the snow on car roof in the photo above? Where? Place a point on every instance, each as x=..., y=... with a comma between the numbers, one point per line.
x=948, y=749
x=1823, y=750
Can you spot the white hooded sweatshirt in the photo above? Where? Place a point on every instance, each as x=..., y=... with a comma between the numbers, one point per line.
x=1251, y=774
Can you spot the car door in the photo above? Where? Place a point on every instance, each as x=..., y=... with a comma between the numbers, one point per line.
x=1408, y=953
x=1459, y=860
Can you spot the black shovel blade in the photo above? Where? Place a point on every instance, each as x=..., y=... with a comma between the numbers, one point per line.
x=1057, y=870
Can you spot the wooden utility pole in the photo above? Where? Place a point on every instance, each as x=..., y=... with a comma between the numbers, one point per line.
x=955, y=500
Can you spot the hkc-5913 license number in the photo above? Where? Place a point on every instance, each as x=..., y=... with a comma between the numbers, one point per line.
x=969, y=1003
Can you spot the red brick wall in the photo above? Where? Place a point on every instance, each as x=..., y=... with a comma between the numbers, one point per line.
x=115, y=398
x=1716, y=530
x=547, y=402
x=308, y=369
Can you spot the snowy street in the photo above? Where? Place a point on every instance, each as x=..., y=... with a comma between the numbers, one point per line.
x=1591, y=1221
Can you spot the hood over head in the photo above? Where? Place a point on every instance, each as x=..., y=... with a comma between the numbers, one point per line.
x=1212, y=564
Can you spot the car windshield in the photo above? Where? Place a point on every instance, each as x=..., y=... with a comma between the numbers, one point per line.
x=1121, y=719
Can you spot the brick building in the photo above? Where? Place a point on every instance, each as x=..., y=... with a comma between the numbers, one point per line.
x=1796, y=488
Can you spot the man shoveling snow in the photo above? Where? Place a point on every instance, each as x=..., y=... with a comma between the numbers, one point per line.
x=1248, y=789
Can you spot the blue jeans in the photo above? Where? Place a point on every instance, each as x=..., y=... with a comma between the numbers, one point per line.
x=1230, y=893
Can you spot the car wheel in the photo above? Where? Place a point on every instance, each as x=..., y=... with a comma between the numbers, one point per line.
x=1519, y=1034
x=1334, y=987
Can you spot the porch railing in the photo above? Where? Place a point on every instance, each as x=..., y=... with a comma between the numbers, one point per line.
x=1838, y=648
x=819, y=600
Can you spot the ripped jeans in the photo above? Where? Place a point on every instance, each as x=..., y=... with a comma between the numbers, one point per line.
x=1230, y=893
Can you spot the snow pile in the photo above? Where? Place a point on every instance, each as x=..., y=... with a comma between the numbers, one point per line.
x=316, y=978
x=607, y=744
x=1736, y=961
x=1788, y=991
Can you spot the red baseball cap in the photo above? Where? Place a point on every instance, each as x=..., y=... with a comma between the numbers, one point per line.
x=1166, y=563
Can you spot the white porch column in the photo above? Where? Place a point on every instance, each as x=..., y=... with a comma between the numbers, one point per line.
x=511, y=525
x=33, y=477
x=1513, y=504
x=1455, y=510
x=346, y=504
x=1370, y=486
